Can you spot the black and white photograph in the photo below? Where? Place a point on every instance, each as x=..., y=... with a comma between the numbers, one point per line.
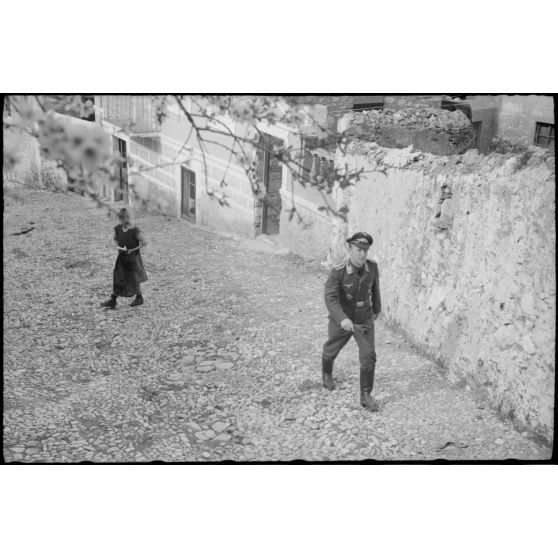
x=278, y=278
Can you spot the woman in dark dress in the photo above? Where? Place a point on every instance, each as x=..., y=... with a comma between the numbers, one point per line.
x=129, y=272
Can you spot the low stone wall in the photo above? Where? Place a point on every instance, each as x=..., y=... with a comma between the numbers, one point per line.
x=467, y=253
x=27, y=171
x=432, y=130
x=53, y=177
x=32, y=170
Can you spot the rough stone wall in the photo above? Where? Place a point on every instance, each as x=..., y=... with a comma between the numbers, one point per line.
x=28, y=169
x=429, y=129
x=337, y=105
x=53, y=177
x=32, y=170
x=466, y=251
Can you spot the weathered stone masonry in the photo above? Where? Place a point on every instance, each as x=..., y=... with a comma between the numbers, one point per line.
x=467, y=254
x=427, y=128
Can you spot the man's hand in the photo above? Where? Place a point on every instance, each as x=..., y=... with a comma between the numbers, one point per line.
x=376, y=316
x=347, y=325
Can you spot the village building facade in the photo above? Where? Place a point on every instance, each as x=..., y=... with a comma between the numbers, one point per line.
x=173, y=175
x=179, y=189
x=170, y=173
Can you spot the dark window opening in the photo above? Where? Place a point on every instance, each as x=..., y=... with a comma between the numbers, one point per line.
x=120, y=149
x=368, y=102
x=544, y=134
x=89, y=102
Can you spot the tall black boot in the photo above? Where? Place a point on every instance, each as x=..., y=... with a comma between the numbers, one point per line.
x=366, y=385
x=367, y=378
x=367, y=401
x=111, y=303
x=327, y=373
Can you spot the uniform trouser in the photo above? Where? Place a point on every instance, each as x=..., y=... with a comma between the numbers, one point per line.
x=364, y=336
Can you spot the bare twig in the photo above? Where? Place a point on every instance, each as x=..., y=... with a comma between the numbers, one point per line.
x=198, y=136
x=25, y=231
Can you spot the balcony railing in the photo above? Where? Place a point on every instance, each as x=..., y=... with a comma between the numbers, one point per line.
x=318, y=165
x=135, y=112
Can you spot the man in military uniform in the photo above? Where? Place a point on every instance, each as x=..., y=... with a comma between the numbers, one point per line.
x=352, y=297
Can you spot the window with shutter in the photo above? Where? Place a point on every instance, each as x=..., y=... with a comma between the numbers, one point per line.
x=544, y=134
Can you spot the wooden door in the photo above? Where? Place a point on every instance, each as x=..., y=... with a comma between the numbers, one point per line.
x=269, y=172
x=121, y=192
x=272, y=211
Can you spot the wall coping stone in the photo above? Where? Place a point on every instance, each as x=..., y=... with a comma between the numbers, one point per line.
x=471, y=161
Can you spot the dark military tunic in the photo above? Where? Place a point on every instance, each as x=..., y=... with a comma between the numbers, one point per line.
x=354, y=294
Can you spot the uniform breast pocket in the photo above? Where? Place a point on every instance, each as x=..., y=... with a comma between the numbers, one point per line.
x=348, y=289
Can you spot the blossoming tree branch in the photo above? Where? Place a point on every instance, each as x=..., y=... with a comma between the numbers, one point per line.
x=85, y=153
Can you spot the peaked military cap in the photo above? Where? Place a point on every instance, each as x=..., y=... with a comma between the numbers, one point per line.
x=361, y=239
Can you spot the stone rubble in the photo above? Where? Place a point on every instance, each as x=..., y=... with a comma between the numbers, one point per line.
x=225, y=367
x=430, y=129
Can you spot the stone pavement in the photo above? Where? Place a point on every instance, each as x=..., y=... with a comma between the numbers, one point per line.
x=222, y=362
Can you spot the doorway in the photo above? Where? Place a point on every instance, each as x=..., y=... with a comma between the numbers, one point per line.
x=270, y=174
x=121, y=192
x=188, y=194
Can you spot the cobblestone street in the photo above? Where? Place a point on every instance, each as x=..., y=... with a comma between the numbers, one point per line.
x=221, y=363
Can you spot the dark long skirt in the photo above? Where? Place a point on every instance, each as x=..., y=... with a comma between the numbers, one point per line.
x=128, y=274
